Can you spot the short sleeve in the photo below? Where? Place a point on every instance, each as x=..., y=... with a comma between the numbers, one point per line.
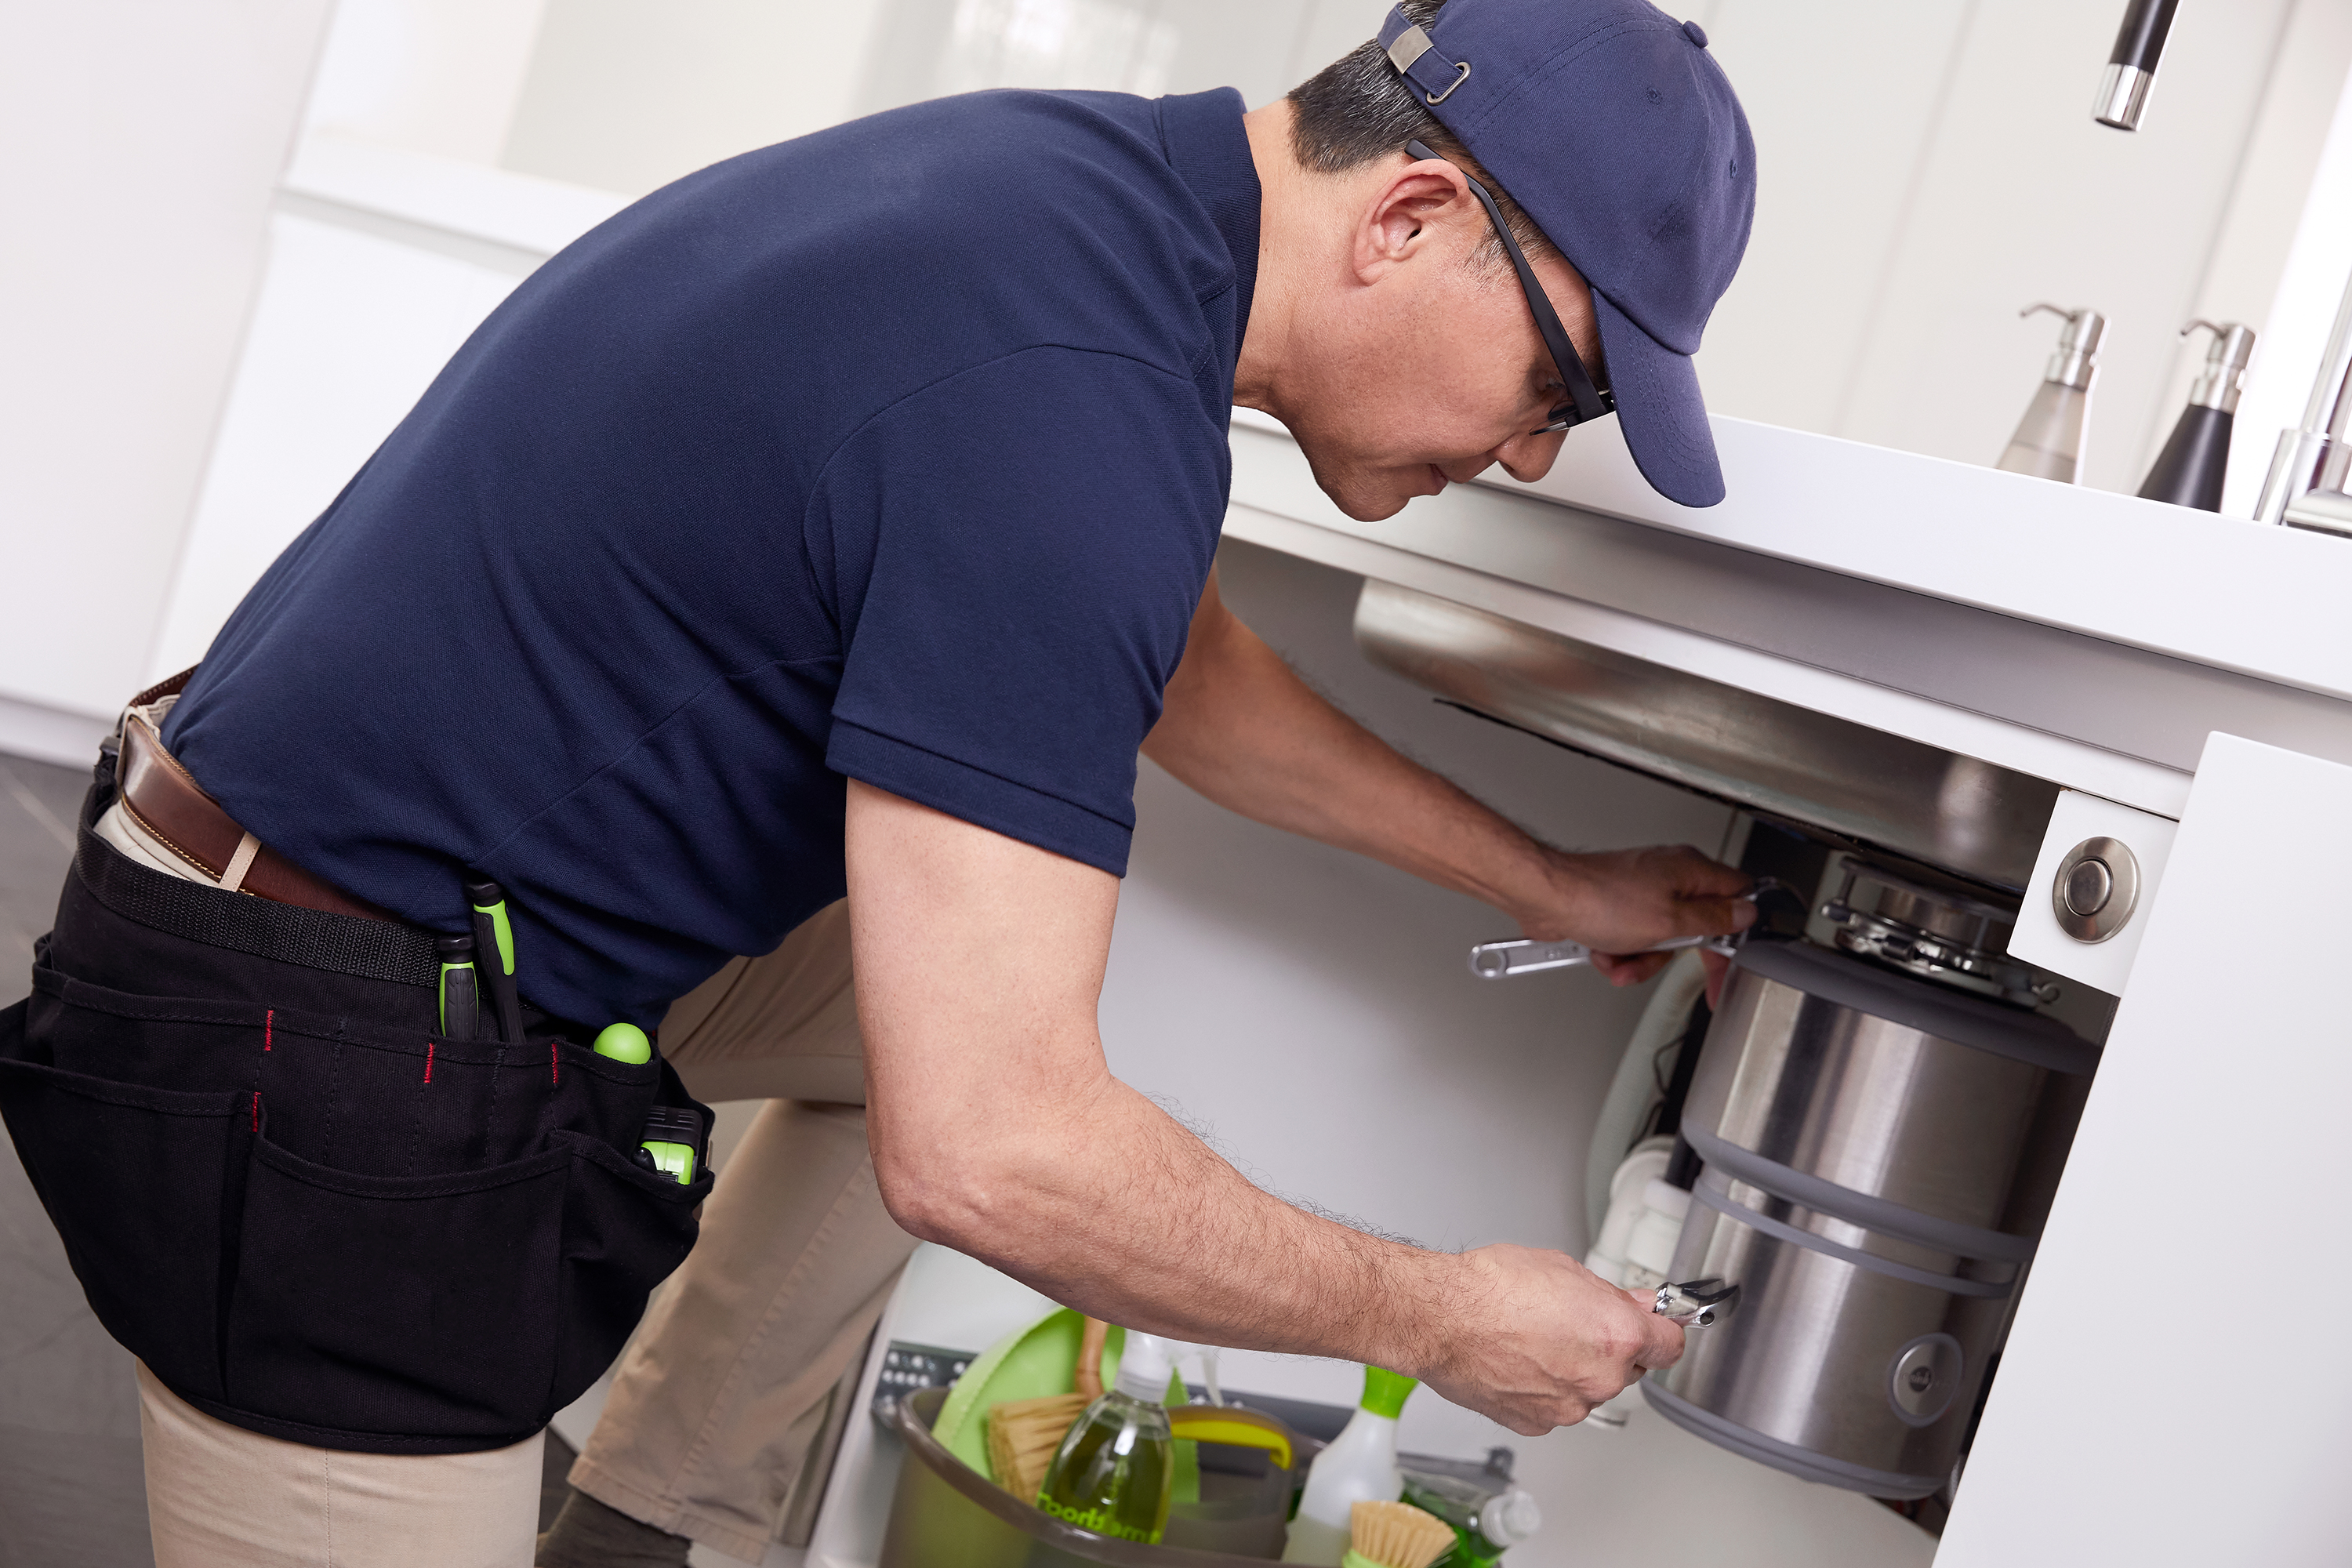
x=1014, y=555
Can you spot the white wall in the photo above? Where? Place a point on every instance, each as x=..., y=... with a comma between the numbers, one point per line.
x=1927, y=169
x=139, y=141
x=432, y=76
x=626, y=95
x=1262, y=48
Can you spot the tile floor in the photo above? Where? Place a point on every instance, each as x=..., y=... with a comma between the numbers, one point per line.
x=69, y=1480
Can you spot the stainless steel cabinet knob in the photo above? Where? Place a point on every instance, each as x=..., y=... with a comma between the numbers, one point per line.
x=2095, y=889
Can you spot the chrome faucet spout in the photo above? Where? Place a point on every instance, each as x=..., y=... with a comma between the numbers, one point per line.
x=2305, y=486
x=2131, y=64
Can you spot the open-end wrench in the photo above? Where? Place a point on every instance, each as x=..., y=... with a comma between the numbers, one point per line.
x=1525, y=955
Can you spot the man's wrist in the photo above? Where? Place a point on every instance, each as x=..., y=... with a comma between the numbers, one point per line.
x=1558, y=888
x=1424, y=1303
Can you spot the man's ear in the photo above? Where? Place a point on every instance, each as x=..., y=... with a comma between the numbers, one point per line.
x=1404, y=216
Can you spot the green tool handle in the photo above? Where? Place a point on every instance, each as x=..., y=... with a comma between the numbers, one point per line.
x=460, y=993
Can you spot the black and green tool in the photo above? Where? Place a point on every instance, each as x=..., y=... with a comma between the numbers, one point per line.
x=494, y=945
x=673, y=1139
x=460, y=987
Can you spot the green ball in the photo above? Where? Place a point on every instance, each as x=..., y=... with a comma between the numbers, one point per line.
x=624, y=1043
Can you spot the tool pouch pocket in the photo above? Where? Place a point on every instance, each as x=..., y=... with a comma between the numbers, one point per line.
x=472, y=1305
x=334, y=1235
x=136, y=1181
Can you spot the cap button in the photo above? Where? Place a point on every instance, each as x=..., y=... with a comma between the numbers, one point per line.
x=1696, y=33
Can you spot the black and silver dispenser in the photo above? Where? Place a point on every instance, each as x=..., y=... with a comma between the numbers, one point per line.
x=2190, y=469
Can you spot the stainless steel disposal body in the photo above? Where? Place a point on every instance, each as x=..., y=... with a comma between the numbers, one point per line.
x=1881, y=1150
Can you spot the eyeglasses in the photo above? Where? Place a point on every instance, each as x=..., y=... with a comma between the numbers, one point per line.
x=1584, y=400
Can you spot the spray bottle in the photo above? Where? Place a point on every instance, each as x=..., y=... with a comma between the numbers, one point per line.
x=1357, y=1465
x=2049, y=439
x=2190, y=469
x=1115, y=1472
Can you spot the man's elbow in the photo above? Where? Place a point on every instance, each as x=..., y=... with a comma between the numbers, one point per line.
x=958, y=1198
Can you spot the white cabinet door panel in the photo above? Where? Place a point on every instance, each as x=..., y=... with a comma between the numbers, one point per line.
x=2169, y=1395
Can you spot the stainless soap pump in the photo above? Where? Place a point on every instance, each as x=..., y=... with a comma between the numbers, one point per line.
x=2189, y=471
x=2049, y=439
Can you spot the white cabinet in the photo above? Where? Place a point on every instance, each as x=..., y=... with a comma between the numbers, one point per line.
x=2156, y=1404
x=2167, y=1395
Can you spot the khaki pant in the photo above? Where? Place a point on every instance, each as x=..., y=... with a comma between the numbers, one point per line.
x=751, y=1351
x=746, y=1359
x=218, y=1495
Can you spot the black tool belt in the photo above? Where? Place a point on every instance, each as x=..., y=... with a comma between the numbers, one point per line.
x=309, y=1213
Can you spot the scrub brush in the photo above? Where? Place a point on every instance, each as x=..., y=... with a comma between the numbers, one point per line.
x=1394, y=1535
x=1023, y=1434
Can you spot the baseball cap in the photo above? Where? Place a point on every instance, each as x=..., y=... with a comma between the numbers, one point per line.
x=1613, y=126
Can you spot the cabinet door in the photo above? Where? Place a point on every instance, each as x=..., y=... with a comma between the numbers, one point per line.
x=2174, y=1391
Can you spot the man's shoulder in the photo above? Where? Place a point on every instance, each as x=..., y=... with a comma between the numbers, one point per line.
x=1062, y=132
x=1048, y=170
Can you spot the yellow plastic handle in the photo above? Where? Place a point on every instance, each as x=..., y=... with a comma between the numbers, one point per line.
x=1231, y=1425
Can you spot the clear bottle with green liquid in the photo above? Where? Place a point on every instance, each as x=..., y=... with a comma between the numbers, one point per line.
x=1115, y=1472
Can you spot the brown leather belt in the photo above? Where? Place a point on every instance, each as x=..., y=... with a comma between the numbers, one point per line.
x=163, y=799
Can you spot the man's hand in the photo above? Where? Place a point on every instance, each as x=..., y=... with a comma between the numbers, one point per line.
x=1622, y=900
x=1541, y=1340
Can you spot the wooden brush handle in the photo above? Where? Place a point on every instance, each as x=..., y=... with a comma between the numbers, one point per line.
x=1090, y=1350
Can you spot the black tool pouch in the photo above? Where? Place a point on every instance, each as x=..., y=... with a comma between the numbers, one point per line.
x=319, y=1225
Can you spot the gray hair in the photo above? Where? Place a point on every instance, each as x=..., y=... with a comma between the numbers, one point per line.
x=1359, y=108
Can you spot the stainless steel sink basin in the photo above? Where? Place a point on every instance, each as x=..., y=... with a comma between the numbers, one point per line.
x=1961, y=813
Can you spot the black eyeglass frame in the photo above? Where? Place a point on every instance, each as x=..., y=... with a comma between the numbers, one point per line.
x=1585, y=401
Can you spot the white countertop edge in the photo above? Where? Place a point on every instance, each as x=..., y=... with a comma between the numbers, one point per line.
x=2089, y=769
x=2257, y=600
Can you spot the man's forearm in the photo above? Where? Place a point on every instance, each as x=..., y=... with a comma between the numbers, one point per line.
x=1104, y=1202
x=1242, y=728
x=998, y=1128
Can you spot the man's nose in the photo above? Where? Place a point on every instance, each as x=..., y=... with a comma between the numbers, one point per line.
x=1530, y=457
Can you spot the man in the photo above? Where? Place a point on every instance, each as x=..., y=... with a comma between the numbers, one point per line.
x=837, y=521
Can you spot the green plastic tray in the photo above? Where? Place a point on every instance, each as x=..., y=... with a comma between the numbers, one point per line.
x=1029, y=1363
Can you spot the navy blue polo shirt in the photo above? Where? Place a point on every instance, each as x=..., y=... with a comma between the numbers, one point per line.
x=897, y=452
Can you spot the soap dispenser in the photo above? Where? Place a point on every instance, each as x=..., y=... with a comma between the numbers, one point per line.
x=2189, y=471
x=2049, y=439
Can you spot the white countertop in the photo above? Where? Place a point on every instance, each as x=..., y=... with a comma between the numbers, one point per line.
x=2088, y=638
x=2237, y=595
